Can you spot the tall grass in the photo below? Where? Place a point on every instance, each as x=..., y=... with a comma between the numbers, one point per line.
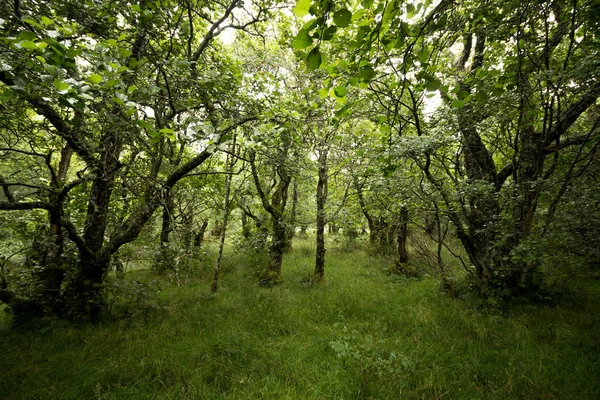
x=362, y=334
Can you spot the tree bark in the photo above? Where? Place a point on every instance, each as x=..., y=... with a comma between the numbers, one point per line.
x=199, y=235
x=276, y=208
x=373, y=231
x=403, y=236
x=291, y=228
x=322, y=189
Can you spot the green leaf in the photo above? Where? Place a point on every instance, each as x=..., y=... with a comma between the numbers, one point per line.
x=481, y=96
x=329, y=32
x=302, y=40
x=367, y=3
x=367, y=73
x=95, y=78
x=144, y=124
x=27, y=35
x=33, y=22
x=314, y=59
x=361, y=34
x=423, y=55
x=342, y=17
x=302, y=7
x=323, y=93
x=433, y=84
x=61, y=86
x=136, y=8
x=28, y=44
x=458, y=103
x=41, y=59
x=340, y=91
x=310, y=25
x=46, y=20
x=463, y=94
x=168, y=133
x=125, y=52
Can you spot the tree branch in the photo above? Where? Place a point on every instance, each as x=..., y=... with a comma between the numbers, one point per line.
x=32, y=205
x=571, y=116
x=63, y=129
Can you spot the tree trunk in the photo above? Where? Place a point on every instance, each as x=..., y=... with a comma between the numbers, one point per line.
x=84, y=296
x=363, y=207
x=440, y=239
x=276, y=251
x=199, y=236
x=85, y=299
x=52, y=272
x=322, y=189
x=402, y=236
x=276, y=208
x=165, y=262
x=291, y=228
x=228, y=168
x=245, y=225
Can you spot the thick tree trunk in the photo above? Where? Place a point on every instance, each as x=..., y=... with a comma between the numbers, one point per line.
x=84, y=297
x=276, y=251
x=167, y=219
x=245, y=225
x=276, y=208
x=52, y=273
x=322, y=189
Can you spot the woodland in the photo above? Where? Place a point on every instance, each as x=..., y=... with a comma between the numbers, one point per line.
x=310, y=199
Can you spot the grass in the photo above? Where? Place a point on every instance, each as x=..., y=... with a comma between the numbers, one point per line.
x=363, y=334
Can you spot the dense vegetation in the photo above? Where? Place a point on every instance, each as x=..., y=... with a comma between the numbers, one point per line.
x=155, y=151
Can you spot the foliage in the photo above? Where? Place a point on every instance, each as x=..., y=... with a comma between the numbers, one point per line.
x=462, y=123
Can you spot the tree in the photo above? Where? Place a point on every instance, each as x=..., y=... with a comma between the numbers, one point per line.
x=519, y=91
x=117, y=92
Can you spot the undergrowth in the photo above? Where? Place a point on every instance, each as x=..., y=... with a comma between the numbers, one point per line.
x=361, y=334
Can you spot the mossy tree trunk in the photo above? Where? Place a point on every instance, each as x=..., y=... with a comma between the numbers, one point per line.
x=275, y=206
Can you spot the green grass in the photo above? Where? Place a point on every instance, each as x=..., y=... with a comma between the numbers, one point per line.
x=362, y=334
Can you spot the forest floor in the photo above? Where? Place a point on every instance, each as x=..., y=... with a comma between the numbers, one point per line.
x=363, y=334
